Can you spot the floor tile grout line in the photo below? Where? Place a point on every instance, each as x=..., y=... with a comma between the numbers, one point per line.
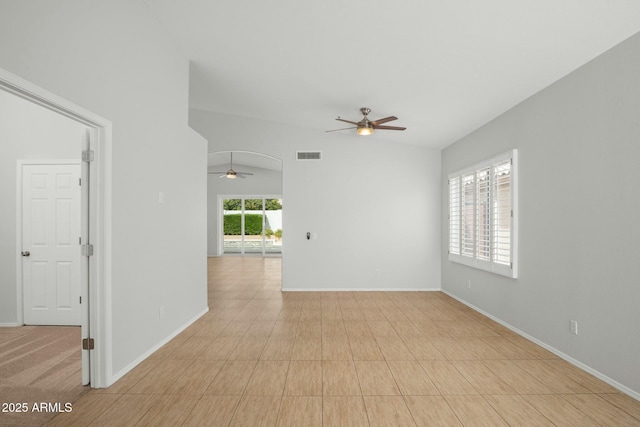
x=383, y=304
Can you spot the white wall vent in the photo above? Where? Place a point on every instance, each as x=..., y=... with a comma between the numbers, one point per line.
x=309, y=155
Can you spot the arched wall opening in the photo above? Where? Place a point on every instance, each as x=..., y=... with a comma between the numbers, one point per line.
x=248, y=186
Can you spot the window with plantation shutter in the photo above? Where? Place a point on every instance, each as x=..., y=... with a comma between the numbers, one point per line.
x=483, y=215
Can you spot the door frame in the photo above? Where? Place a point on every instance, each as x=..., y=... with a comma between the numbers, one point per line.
x=100, y=208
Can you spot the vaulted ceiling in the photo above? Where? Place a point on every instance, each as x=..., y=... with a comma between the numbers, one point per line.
x=221, y=161
x=444, y=68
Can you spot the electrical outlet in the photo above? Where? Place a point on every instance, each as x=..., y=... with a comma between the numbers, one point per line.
x=468, y=284
x=574, y=327
x=161, y=312
x=378, y=272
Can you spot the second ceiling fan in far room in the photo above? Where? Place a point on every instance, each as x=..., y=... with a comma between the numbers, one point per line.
x=231, y=174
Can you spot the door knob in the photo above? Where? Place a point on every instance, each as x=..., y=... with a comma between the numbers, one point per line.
x=26, y=253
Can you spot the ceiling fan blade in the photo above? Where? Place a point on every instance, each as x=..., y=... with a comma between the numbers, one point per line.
x=385, y=120
x=389, y=128
x=243, y=173
x=222, y=176
x=212, y=172
x=347, y=121
x=336, y=130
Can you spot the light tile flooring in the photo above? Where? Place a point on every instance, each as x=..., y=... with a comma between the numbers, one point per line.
x=38, y=364
x=262, y=357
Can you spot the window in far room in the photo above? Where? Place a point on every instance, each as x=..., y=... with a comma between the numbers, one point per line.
x=251, y=225
x=483, y=215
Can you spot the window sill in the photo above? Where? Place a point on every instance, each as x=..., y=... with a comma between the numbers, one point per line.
x=492, y=267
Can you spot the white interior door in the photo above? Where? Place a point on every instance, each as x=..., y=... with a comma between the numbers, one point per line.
x=50, y=246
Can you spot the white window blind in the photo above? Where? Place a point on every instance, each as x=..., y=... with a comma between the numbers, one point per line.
x=454, y=216
x=468, y=203
x=502, y=213
x=483, y=210
x=482, y=215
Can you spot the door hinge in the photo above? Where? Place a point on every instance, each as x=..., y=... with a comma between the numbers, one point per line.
x=86, y=250
x=87, y=344
x=87, y=156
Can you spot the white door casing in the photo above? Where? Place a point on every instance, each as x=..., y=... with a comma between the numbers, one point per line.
x=85, y=177
x=98, y=291
x=50, y=245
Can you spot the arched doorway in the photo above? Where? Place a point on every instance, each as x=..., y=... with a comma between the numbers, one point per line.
x=245, y=211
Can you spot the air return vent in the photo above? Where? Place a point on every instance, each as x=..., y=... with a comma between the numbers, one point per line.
x=309, y=155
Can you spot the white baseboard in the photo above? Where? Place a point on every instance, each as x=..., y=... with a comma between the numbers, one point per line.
x=9, y=325
x=361, y=289
x=613, y=383
x=115, y=377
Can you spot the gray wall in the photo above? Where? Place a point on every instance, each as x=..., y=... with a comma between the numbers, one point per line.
x=328, y=197
x=579, y=144
x=27, y=131
x=113, y=59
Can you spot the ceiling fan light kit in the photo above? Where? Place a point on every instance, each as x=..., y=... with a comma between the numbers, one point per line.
x=366, y=129
x=366, y=126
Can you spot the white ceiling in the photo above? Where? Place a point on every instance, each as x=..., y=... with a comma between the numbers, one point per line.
x=444, y=67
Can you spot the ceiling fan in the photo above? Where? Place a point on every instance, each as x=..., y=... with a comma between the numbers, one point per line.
x=231, y=174
x=366, y=126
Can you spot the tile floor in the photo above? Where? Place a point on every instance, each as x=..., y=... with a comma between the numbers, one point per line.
x=261, y=357
x=38, y=364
